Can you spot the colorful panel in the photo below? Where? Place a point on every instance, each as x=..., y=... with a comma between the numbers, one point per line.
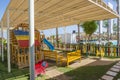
x=23, y=37
x=25, y=43
x=21, y=32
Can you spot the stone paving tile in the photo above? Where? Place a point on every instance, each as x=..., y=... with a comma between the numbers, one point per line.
x=115, y=69
x=57, y=75
x=82, y=63
x=53, y=73
x=106, y=77
x=111, y=73
x=116, y=66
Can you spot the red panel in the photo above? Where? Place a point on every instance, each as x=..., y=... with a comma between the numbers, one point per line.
x=25, y=43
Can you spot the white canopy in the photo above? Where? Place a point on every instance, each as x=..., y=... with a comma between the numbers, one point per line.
x=57, y=13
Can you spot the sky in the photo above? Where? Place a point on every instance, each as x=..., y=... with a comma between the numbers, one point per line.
x=69, y=29
x=3, y=5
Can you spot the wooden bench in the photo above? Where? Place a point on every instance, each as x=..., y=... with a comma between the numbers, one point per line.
x=52, y=55
x=72, y=56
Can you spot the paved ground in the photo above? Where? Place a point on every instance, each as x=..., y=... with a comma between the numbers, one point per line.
x=112, y=72
x=57, y=75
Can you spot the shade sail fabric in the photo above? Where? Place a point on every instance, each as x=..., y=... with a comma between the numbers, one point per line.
x=57, y=13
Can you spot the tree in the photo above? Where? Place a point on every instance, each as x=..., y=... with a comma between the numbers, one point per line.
x=118, y=25
x=105, y=23
x=89, y=27
x=115, y=27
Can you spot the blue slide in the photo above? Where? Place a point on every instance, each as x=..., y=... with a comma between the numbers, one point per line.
x=51, y=47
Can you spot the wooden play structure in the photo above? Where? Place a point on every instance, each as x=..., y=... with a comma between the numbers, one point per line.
x=19, y=42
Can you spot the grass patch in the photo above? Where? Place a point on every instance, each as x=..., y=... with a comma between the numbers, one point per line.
x=86, y=72
x=16, y=74
x=64, y=69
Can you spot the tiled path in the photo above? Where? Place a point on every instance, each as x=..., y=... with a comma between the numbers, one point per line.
x=112, y=72
x=57, y=75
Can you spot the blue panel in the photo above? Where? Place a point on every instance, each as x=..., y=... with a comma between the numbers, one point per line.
x=51, y=47
x=21, y=32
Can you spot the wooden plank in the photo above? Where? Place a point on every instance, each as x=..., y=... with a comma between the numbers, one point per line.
x=70, y=22
x=86, y=13
x=63, y=11
x=48, y=11
x=72, y=12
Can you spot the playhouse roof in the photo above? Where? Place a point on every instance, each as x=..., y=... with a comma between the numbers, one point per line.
x=57, y=13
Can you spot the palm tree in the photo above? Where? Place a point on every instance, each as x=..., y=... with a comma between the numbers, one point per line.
x=118, y=25
x=106, y=25
x=115, y=27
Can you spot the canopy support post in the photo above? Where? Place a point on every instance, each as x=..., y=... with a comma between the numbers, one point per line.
x=100, y=30
x=78, y=25
x=8, y=41
x=118, y=28
x=2, y=50
x=31, y=41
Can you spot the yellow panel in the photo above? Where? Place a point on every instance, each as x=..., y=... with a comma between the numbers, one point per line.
x=23, y=38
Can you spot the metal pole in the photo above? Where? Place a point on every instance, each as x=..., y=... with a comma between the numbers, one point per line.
x=2, y=41
x=100, y=30
x=108, y=32
x=78, y=33
x=31, y=41
x=57, y=36
x=8, y=42
x=118, y=32
x=65, y=36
